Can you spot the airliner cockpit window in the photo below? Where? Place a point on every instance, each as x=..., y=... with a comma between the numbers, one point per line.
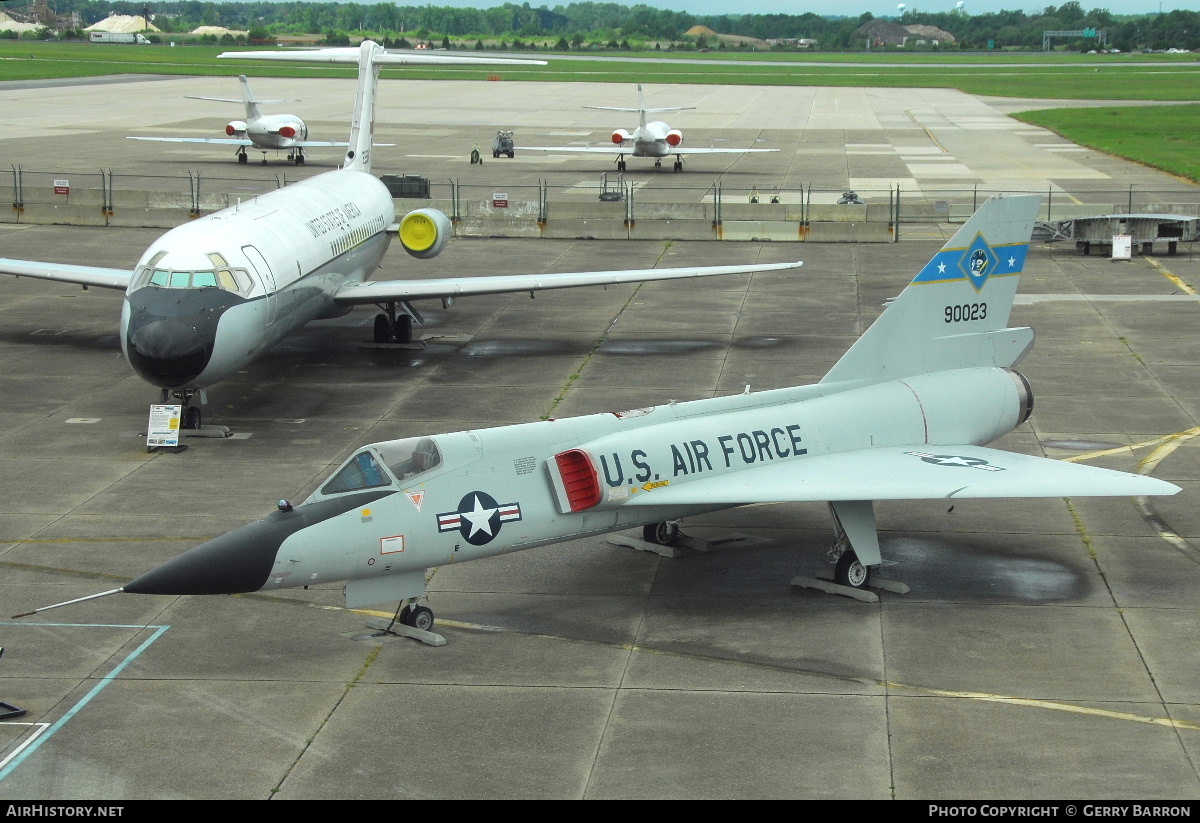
x=233, y=280
x=410, y=457
x=362, y=472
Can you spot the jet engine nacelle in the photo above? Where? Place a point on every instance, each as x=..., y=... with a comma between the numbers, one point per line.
x=674, y=137
x=620, y=136
x=424, y=232
x=236, y=128
x=295, y=130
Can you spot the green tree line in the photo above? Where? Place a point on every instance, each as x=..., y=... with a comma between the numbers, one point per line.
x=590, y=22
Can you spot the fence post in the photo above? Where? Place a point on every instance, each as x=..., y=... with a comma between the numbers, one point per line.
x=896, y=233
x=1129, y=210
x=1049, y=201
x=18, y=193
x=543, y=205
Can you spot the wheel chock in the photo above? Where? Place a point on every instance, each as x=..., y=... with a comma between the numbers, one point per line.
x=829, y=587
x=388, y=626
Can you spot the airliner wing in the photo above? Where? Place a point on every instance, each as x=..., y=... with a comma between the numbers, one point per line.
x=378, y=291
x=902, y=473
x=224, y=141
x=394, y=58
x=234, y=141
x=614, y=149
x=67, y=273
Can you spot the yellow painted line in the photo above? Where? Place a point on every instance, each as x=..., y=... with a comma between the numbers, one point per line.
x=1182, y=437
x=1184, y=287
x=1052, y=705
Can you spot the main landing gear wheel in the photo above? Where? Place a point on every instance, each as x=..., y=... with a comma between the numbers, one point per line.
x=849, y=571
x=417, y=617
x=663, y=533
x=678, y=165
x=241, y=155
x=620, y=165
x=386, y=332
x=658, y=164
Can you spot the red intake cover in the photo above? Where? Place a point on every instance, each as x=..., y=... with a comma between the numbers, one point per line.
x=620, y=136
x=287, y=131
x=674, y=137
x=230, y=130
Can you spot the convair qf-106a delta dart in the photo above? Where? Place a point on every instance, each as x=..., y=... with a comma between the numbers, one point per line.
x=265, y=132
x=650, y=139
x=903, y=415
x=209, y=297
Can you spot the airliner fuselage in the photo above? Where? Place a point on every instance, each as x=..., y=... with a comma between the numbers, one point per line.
x=209, y=297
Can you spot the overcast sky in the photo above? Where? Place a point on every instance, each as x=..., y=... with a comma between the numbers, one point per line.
x=849, y=8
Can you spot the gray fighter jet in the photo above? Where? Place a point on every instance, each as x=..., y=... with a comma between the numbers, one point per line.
x=904, y=415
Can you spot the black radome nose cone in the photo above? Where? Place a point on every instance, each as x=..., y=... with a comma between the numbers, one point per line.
x=233, y=563
x=168, y=352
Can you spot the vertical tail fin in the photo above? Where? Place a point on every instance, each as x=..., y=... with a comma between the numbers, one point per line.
x=252, y=112
x=954, y=314
x=641, y=108
x=362, y=128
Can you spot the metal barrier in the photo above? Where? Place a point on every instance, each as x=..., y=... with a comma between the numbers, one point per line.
x=611, y=207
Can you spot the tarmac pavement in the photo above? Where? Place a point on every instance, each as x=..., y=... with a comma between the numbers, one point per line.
x=1045, y=649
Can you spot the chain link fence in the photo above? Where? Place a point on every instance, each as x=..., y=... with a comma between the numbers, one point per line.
x=611, y=206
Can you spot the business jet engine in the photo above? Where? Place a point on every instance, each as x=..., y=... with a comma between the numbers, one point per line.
x=236, y=128
x=620, y=136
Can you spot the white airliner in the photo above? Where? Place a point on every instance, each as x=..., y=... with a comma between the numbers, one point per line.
x=209, y=297
x=265, y=132
x=650, y=139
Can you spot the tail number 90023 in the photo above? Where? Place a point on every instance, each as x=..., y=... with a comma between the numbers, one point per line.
x=967, y=311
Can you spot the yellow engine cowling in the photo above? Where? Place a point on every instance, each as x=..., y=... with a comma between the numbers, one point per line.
x=424, y=232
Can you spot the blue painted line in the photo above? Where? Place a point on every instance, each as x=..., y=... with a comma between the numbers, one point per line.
x=87, y=698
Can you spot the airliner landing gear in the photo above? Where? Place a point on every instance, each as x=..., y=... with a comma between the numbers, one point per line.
x=678, y=164
x=658, y=164
x=394, y=329
x=241, y=155
x=621, y=164
x=191, y=420
x=296, y=156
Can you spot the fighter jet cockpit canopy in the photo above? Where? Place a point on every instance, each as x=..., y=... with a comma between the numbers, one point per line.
x=391, y=463
x=210, y=271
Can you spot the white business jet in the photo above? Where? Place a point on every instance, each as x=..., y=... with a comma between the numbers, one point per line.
x=652, y=138
x=265, y=132
x=209, y=297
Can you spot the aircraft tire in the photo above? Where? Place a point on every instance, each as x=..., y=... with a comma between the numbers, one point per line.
x=511, y=155
x=383, y=329
x=418, y=617
x=192, y=418
x=850, y=572
x=662, y=534
x=243, y=158
x=403, y=330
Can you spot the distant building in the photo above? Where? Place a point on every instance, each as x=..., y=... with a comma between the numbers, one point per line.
x=123, y=22
x=882, y=33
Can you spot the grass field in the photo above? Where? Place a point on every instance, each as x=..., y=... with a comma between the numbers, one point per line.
x=1162, y=137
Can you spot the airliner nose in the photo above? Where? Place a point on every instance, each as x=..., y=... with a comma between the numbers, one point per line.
x=237, y=562
x=168, y=352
